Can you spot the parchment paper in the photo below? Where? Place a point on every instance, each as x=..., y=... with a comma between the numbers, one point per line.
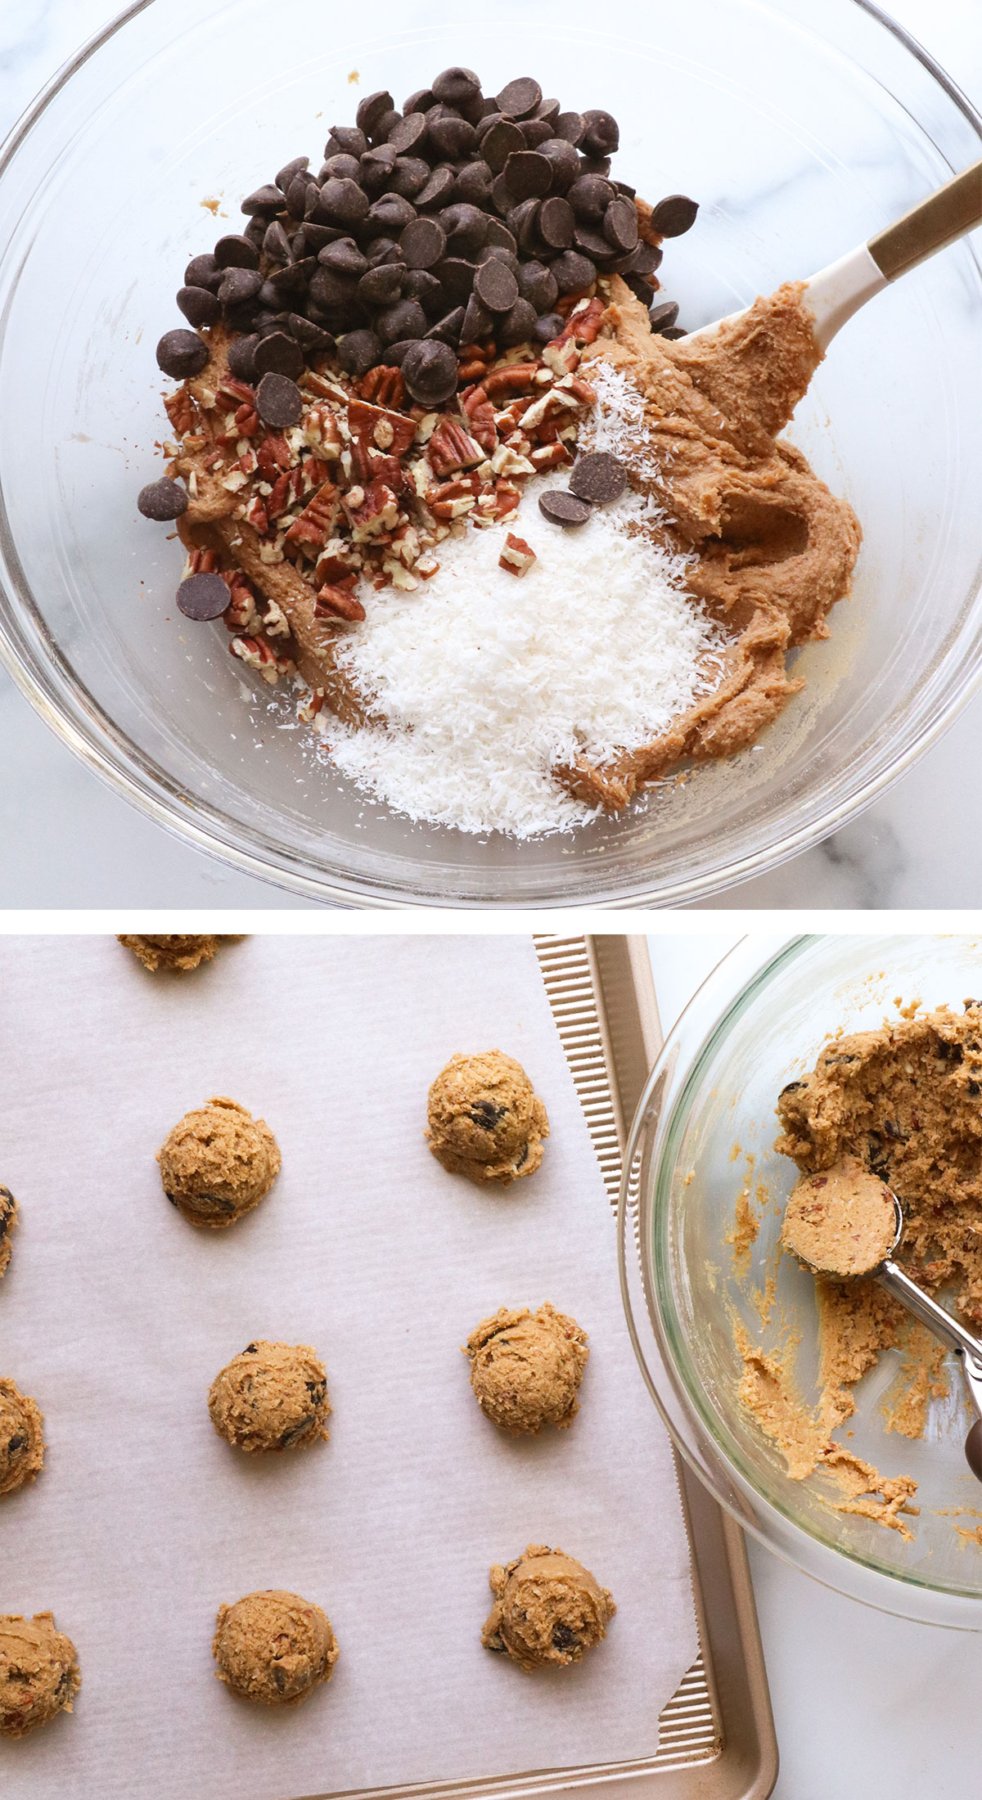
x=115, y=1314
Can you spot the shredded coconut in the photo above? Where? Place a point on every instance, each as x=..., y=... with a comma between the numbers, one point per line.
x=488, y=683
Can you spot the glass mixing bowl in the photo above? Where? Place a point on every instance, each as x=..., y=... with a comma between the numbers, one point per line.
x=801, y=129
x=707, y=1123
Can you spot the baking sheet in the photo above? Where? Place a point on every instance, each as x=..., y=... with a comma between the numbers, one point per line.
x=116, y=1315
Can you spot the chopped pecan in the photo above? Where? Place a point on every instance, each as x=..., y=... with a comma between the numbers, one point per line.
x=389, y=431
x=180, y=409
x=273, y=455
x=517, y=556
x=384, y=385
x=584, y=321
x=550, y=456
x=316, y=523
x=370, y=509
x=257, y=654
x=203, y=562
x=451, y=447
x=338, y=603
x=480, y=417
x=322, y=432
x=514, y=378
x=453, y=498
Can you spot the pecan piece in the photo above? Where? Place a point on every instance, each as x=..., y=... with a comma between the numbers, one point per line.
x=338, y=603
x=316, y=523
x=388, y=431
x=384, y=385
x=451, y=447
x=517, y=556
x=480, y=417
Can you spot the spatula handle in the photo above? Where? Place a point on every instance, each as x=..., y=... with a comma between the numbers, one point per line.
x=937, y=221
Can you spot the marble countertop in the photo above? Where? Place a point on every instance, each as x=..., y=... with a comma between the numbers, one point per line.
x=80, y=845
x=864, y=1704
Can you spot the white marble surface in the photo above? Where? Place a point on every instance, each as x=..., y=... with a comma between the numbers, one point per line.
x=866, y=1706
x=79, y=844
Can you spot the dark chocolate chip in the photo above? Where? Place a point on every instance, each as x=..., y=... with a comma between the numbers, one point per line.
x=420, y=285
x=570, y=126
x=371, y=110
x=419, y=102
x=486, y=1115
x=601, y=135
x=519, y=98
x=181, y=353
x=386, y=125
x=293, y=1436
x=291, y=169
x=548, y=110
x=409, y=177
x=496, y=287
x=590, y=196
x=441, y=184
x=311, y=336
x=673, y=215
x=296, y=194
x=382, y=285
x=202, y=597
x=502, y=141
x=535, y=132
x=328, y=288
x=404, y=319
x=343, y=168
x=673, y=333
x=18, y=1442
x=646, y=258
x=621, y=224
x=278, y=354
x=466, y=227
x=450, y=136
x=342, y=201
x=498, y=233
x=359, y=351
x=517, y=325
x=595, y=165
x=563, y=161
x=203, y=271
x=276, y=244
x=240, y=357
x=538, y=285
x=598, y=477
x=592, y=244
x=382, y=250
x=548, y=327
x=430, y=372
x=279, y=401
x=457, y=276
x=528, y=174
x=563, y=1638
x=448, y=329
x=236, y=252
x=344, y=257
x=523, y=220
x=389, y=214
x=456, y=85
x=663, y=316
x=162, y=500
x=573, y=272
x=199, y=305
x=266, y=199
x=556, y=223
x=564, y=508
x=409, y=134
x=347, y=138
x=423, y=243
x=239, y=286
x=477, y=322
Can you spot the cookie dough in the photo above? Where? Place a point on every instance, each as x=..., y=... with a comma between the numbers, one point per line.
x=485, y=1119
x=39, y=1673
x=274, y=1647
x=548, y=1609
x=8, y=1219
x=170, y=951
x=526, y=1368
x=271, y=1397
x=218, y=1163
x=21, y=1438
x=841, y=1221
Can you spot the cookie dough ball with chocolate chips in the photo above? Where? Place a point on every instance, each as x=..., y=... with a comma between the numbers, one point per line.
x=218, y=1163
x=548, y=1610
x=172, y=951
x=39, y=1673
x=21, y=1438
x=274, y=1647
x=8, y=1219
x=271, y=1397
x=526, y=1368
x=485, y=1120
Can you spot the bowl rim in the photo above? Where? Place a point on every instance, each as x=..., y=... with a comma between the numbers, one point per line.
x=90, y=736
x=732, y=981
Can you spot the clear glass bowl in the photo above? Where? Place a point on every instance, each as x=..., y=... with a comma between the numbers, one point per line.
x=749, y=1030
x=800, y=128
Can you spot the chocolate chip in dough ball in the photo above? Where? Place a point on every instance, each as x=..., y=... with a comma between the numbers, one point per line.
x=218, y=1163
x=174, y=950
x=274, y=1647
x=8, y=1219
x=548, y=1610
x=271, y=1397
x=21, y=1438
x=526, y=1368
x=39, y=1673
x=485, y=1119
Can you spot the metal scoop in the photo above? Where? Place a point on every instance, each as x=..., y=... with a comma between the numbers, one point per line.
x=838, y=291
x=897, y=1282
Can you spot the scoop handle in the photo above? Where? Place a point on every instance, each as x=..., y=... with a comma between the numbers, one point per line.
x=935, y=1317
x=937, y=221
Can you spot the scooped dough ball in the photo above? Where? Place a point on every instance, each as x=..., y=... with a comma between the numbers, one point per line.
x=485, y=1119
x=171, y=951
x=526, y=1368
x=8, y=1219
x=272, y=1397
x=548, y=1609
x=841, y=1221
x=274, y=1647
x=21, y=1438
x=39, y=1673
x=218, y=1163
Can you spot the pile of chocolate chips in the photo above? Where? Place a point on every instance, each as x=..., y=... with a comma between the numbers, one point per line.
x=457, y=220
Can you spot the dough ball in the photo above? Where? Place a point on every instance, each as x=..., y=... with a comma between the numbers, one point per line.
x=218, y=1163
x=170, y=951
x=272, y=1397
x=841, y=1220
x=526, y=1368
x=274, y=1647
x=485, y=1119
x=39, y=1674
x=21, y=1438
x=548, y=1609
x=8, y=1219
